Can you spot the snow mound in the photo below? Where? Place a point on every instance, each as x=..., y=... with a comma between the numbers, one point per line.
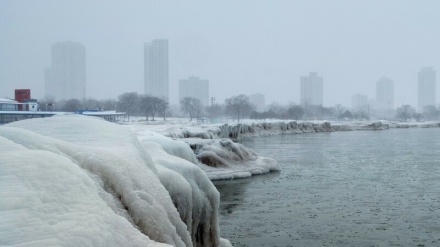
x=192, y=193
x=81, y=181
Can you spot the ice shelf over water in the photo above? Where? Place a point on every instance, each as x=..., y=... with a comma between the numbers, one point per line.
x=81, y=181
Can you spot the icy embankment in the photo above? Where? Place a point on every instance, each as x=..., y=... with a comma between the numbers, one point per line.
x=222, y=158
x=237, y=131
x=81, y=181
x=216, y=153
x=219, y=158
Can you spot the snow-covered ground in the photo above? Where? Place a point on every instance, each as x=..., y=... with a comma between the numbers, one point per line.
x=81, y=181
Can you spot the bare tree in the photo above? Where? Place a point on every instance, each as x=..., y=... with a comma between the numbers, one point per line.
x=150, y=105
x=405, y=112
x=237, y=106
x=295, y=112
x=47, y=103
x=163, y=108
x=128, y=102
x=191, y=106
x=72, y=105
x=146, y=105
x=431, y=112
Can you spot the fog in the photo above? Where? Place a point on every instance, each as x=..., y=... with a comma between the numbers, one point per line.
x=239, y=46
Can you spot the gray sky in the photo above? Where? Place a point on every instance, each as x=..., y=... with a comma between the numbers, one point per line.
x=239, y=46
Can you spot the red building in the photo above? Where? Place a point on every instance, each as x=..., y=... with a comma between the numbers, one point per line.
x=22, y=95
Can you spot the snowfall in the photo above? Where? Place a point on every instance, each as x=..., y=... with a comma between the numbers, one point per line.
x=82, y=181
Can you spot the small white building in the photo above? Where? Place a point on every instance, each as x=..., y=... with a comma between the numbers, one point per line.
x=8, y=105
x=10, y=111
x=12, y=105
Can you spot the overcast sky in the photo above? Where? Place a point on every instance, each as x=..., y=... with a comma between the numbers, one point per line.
x=239, y=46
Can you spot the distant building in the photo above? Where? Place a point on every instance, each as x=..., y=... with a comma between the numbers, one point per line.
x=385, y=94
x=359, y=102
x=194, y=87
x=156, y=68
x=426, y=87
x=311, y=89
x=66, y=78
x=258, y=100
x=22, y=96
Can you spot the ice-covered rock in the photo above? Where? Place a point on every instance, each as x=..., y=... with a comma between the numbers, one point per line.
x=81, y=181
x=376, y=126
x=225, y=159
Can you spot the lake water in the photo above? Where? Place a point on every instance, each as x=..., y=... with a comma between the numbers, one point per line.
x=357, y=188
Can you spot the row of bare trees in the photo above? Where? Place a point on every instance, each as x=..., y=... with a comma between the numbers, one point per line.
x=147, y=105
x=236, y=107
x=407, y=112
x=71, y=105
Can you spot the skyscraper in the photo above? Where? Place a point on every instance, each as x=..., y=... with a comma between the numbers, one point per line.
x=311, y=89
x=258, y=100
x=194, y=87
x=359, y=102
x=66, y=78
x=156, y=68
x=426, y=87
x=385, y=93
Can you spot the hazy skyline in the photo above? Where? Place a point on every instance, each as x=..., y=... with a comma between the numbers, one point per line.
x=239, y=46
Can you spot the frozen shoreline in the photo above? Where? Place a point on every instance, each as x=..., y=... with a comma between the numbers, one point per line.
x=125, y=185
x=222, y=158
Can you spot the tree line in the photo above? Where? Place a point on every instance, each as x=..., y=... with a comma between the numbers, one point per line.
x=235, y=107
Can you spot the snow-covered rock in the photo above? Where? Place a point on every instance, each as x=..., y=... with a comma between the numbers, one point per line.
x=225, y=159
x=81, y=181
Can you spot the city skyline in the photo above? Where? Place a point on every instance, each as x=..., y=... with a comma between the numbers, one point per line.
x=242, y=47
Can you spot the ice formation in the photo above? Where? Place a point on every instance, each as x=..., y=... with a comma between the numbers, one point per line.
x=81, y=181
x=225, y=159
x=219, y=158
x=237, y=131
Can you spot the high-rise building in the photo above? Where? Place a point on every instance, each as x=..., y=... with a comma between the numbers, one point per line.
x=311, y=89
x=359, y=102
x=194, y=87
x=258, y=100
x=385, y=93
x=156, y=68
x=426, y=87
x=66, y=78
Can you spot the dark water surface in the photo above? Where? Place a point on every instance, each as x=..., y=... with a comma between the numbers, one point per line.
x=359, y=188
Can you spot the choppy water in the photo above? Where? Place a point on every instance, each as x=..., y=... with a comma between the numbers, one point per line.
x=360, y=188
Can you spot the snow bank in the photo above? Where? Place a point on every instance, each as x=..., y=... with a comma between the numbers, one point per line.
x=81, y=181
